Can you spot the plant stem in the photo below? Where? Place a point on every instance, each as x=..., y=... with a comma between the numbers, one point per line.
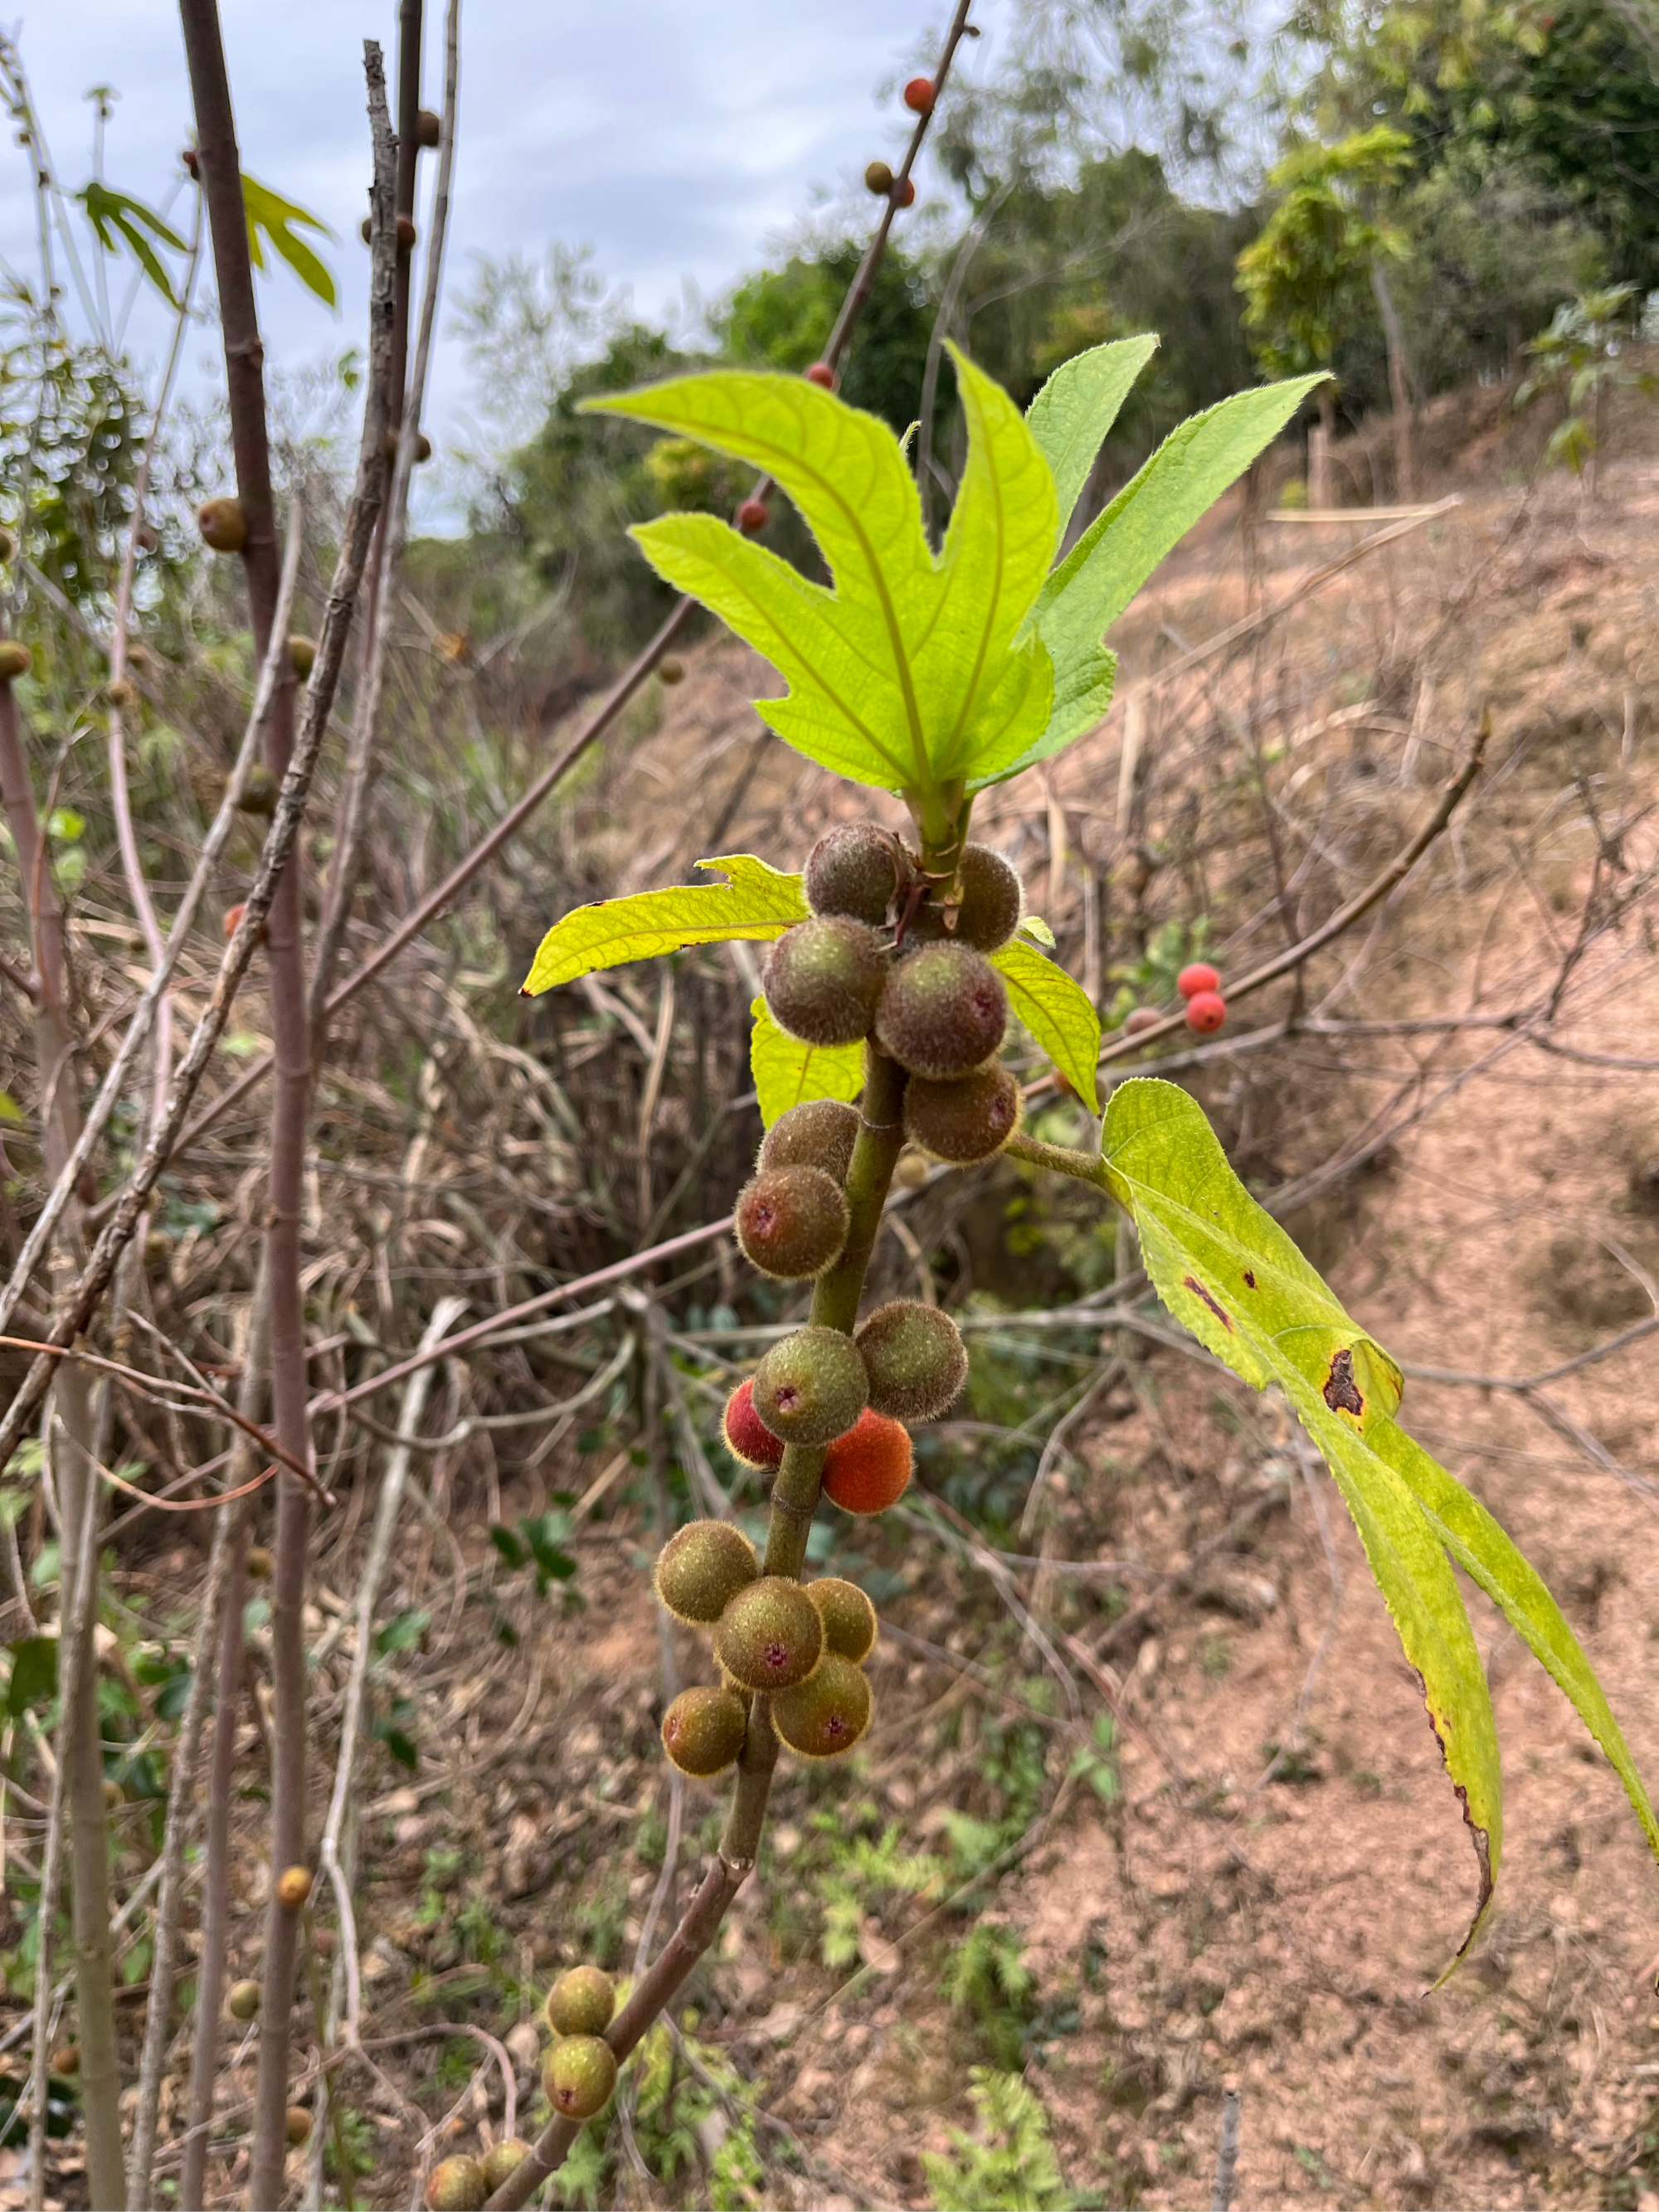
x=1087, y=1167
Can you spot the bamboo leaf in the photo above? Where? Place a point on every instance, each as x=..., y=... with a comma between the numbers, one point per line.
x=269, y=213
x=787, y=1072
x=1070, y=416
x=756, y=901
x=1056, y=1010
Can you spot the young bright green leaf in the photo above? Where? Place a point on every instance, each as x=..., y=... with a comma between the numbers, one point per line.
x=1056, y=1010
x=787, y=1072
x=1229, y=1271
x=269, y=213
x=756, y=901
x=117, y=216
x=1034, y=926
x=1070, y=416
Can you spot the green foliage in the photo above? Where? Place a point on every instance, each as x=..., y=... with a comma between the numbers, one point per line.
x=679, y=2109
x=754, y=902
x=274, y=222
x=120, y=220
x=1578, y=359
x=787, y=1072
x=1008, y=2164
x=1304, y=276
x=987, y=1978
x=862, y=1872
x=782, y=319
x=1072, y=416
x=1055, y=1011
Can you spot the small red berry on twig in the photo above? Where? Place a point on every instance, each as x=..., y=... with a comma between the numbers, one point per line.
x=821, y=373
x=919, y=95
x=752, y=516
x=1200, y=976
x=1205, y=1010
x=905, y=193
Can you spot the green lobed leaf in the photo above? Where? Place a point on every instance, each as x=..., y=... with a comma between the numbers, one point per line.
x=787, y=1072
x=1070, y=416
x=756, y=901
x=269, y=212
x=1229, y=1272
x=1056, y=1010
x=117, y=216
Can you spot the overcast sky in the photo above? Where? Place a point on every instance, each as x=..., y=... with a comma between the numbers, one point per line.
x=676, y=138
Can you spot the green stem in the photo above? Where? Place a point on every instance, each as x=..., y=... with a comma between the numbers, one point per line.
x=1087, y=1167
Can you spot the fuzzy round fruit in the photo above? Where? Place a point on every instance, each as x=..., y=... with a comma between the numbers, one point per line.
x=702, y=1731
x=971, y=1118
x=1141, y=1018
x=222, y=524
x=670, y=671
x=243, y=2002
x=943, y=1012
x=915, y=1358
x=791, y=1221
x=919, y=95
x=770, y=1636
x=1200, y=976
x=868, y=1469
x=259, y=1563
x=66, y=2059
x=303, y=653
x=752, y=516
x=825, y=1716
x=428, y=128
x=905, y=193
x=702, y=1568
x=993, y=901
x=581, y=2002
x=1205, y=1012
x=122, y=693
x=15, y=660
x=819, y=1133
x=501, y=2160
x=579, y=2075
x=457, y=2185
x=879, y=180
x=913, y=1169
x=405, y=234
x=747, y=1436
x=848, y=1618
x=823, y=979
x=298, y=2126
x=810, y=1386
x=853, y=870
x=293, y=1887
x=259, y=791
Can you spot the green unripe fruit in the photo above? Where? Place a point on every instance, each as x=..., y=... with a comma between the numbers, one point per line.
x=969, y=1120
x=302, y=652
x=501, y=2160
x=15, y=660
x=915, y=1358
x=259, y=791
x=223, y=526
x=703, y=1730
x=810, y=1387
x=944, y=1011
x=848, y=1618
x=243, y=2002
x=669, y=669
x=457, y=2185
x=579, y=2075
x=853, y=870
x=791, y=1221
x=879, y=180
x=826, y=1715
x=770, y=1635
x=823, y=980
x=820, y=1133
x=581, y=2002
x=701, y=1569
x=992, y=903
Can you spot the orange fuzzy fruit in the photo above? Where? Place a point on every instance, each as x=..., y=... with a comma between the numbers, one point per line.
x=1205, y=1012
x=868, y=1469
x=747, y=1436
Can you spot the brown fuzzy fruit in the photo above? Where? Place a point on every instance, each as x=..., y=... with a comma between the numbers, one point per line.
x=66, y=2059
x=223, y=526
x=457, y=2185
x=879, y=180
x=259, y=1561
x=853, y=870
x=791, y=1221
x=747, y=1436
x=298, y=2126
x=702, y=1568
x=581, y=2002
x=405, y=234
x=293, y=1887
x=302, y=654
x=259, y=791
x=770, y=1636
x=579, y=2075
x=429, y=129
x=992, y=903
x=868, y=1469
x=671, y=669
x=15, y=660
x=825, y=1716
x=819, y=1133
x=823, y=978
x=122, y=693
x=703, y=1730
x=810, y=1386
x=971, y=1118
x=915, y=1358
x=848, y=1618
x=943, y=1013
x=501, y=2160
x=243, y=2002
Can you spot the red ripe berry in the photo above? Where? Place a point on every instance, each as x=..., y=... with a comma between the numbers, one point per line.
x=919, y=95
x=905, y=194
x=867, y=1470
x=752, y=516
x=821, y=373
x=1200, y=976
x=1205, y=1010
x=747, y=1436
x=233, y=919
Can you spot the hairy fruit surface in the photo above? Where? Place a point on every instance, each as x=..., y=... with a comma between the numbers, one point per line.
x=915, y=1358
x=943, y=1013
x=702, y=1731
x=503, y=2159
x=868, y=1469
x=823, y=980
x=770, y=1636
x=702, y=1568
x=853, y=870
x=848, y=1617
x=819, y=1133
x=811, y=1387
x=456, y=2184
x=993, y=901
x=579, y=2075
x=1205, y=1012
x=822, y=1718
x=222, y=524
x=747, y=1436
x=1200, y=976
x=791, y=1221
x=971, y=1118
x=581, y=2002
